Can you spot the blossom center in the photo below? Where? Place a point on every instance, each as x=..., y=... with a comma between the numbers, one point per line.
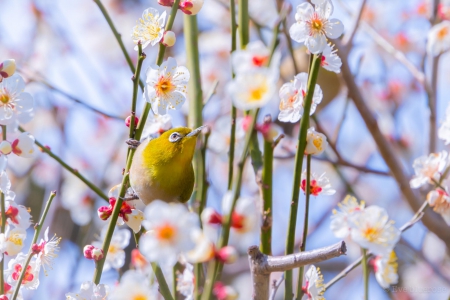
x=166, y=232
x=164, y=86
x=318, y=143
x=371, y=233
x=442, y=33
x=316, y=24
x=4, y=98
x=12, y=213
x=237, y=221
x=28, y=274
x=139, y=297
x=112, y=249
x=257, y=93
x=151, y=24
x=16, y=239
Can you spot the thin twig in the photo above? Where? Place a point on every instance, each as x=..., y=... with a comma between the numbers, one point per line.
x=275, y=286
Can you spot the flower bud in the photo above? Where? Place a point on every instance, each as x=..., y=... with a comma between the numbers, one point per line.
x=191, y=7
x=7, y=68
x=97, y=254
x=227, y=255
x=104, y=212
x=315, y=142
x=87, y=251
x=36, y=249
x=3, y=297
x=5, y=147
x=224, y=292
x=128, y=121
x=169, y=39
x=166, y=2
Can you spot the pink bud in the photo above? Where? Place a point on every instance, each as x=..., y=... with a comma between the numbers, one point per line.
x=36, y=249
x=3, y=297
x=7, y=68
x=128, y=121
x=166, y=2
x=211, y=216
x=190, y=7
x=97, y=254
x=246, y=122
x=87, y=251
x=104, y=212
x=227, y=255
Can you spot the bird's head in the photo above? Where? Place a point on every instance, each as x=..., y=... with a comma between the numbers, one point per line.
x=175, y=144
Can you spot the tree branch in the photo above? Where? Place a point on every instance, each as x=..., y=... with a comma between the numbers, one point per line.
x=262, y=265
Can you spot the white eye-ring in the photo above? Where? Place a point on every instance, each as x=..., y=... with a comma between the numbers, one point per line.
x=174, y=137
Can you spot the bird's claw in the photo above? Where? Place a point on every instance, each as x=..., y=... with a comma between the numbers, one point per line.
x=132, y=143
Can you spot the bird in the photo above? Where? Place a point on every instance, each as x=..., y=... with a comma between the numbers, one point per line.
x=162, y=167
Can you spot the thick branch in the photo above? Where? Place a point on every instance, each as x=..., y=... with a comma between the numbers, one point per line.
x=262, y=265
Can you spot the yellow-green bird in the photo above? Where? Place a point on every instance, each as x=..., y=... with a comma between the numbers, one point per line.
x=162, y=167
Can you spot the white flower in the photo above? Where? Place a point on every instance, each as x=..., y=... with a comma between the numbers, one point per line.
x=16, y=106
x=46, y=250
x=191, y=7
x=5, y=183
x=31, y=278
x=90, y=291
x=156, y=125
x=313, y=26
x=24, y=145
x=12, y=241
x=314, y=284
x=255, y=56
x=245, y=221
x=166, y=86
x=386, y=270
x=204, y=249
x=340, y=219
x=252, y=89
x=134, y=285
x=439, y=200
x=128, y=213
x=439, y=38
x=292, y=95
x=318, y=185
x=185, y=282
x=17, y=215
x=171, y=228
x=7, y=68
x=115, y=258
x=372, y=230
x=428, y=168
x=316, y=142
x=150, y=28
x=330, y=60
x=444, y=130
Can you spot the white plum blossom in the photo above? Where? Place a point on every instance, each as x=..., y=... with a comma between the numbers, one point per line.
x=439, y=200
x=17, y=215
x=252, y=89
x=330, y=60
x=90, y=291
x=373, y=230
x=340, y=224
x=135, y=285
x=313, y=25
x=255, y=56
x=31, y=278
x=439, y=38
x=385, y=268
x=316, y=142
x=428, y=168
x=12, y=241
x=185, y=282
x=116, y=254
x=314, y=286
x=166, y=86
x=169, y=39
x=150, y=28
x=319, y=185
x=7, y=68
x=170, y=231
x=46, y=250
x=292, y=95
x=24, y=145
x=156, y=125
x=16, y=106
x=204, y=248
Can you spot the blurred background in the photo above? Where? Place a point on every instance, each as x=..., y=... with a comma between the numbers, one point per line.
x=72, y=63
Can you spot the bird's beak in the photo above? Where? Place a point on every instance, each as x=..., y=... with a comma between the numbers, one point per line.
x=196, y=131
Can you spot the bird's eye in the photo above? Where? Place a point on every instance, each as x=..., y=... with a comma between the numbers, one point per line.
x=174, y=137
